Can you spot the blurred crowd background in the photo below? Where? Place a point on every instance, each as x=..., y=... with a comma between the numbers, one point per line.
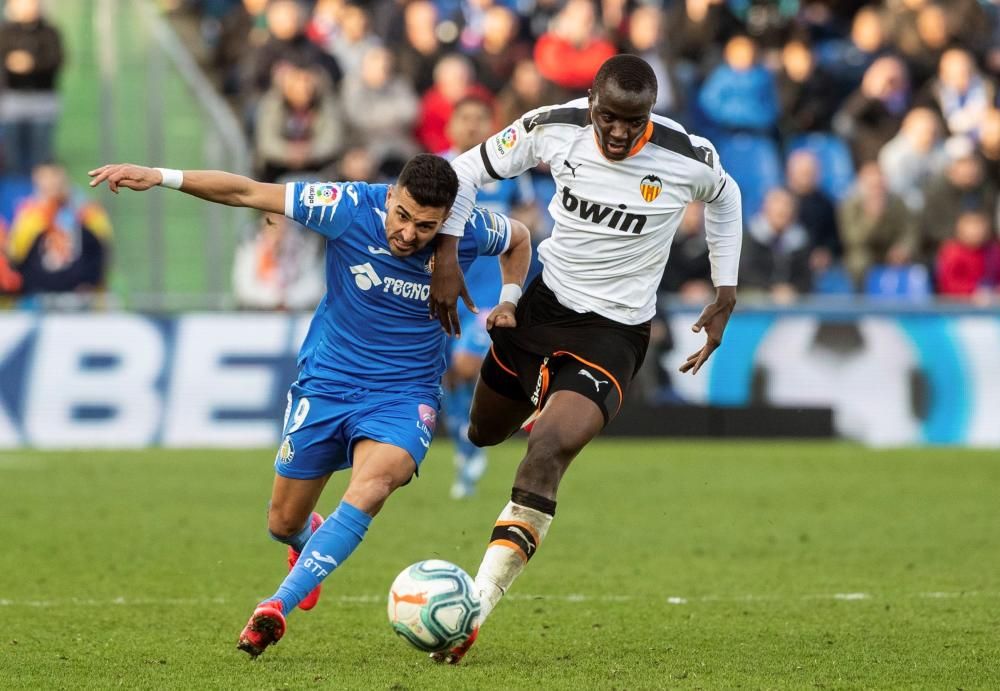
x=865, y=136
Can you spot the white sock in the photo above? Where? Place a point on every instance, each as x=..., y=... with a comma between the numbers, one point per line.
x=518, y=532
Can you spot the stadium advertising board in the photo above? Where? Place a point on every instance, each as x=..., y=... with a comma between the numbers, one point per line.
x=219, y=380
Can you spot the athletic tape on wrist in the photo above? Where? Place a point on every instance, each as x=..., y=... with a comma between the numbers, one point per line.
x=511, y=292
x=171, y=178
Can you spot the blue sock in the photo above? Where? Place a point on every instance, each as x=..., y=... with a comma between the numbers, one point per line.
x=299, y=539
x=458, y=402
x=327, y=549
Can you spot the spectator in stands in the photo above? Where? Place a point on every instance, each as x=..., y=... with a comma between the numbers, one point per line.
x=960, y=93
x=989, y=145
x=913, y=157
x=501, y=48
x=963, y=186
x=300, y=125
x=645, y=39
x=876, y=228
x=806, y=92
x=59, y=242
x=740, y=94
x=324, y=25
x=872, y=115
x=453, y=80
x=571, y=51
x=688, y=271
x=817, y=213
x=526, y=91
x=279, y=266
x=287, y=43
x=849, y=59
x=381, y=107
x=10, y=280
x=357, y=163
x=354, y=38
x=922, y=34
x=420, y=50
x=32, y=56
x=243, y=27
x=968, y=263
x=695, y=31
x=775, y=255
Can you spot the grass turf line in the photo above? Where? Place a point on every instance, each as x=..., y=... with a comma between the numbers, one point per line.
x=753, y=538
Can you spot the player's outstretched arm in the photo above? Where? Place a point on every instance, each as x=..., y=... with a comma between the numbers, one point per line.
x=211, y=185
x=724, y=233
x=514, y=265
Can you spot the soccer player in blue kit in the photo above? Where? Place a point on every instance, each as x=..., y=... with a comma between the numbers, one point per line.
x=472, y=122
x=368, y=390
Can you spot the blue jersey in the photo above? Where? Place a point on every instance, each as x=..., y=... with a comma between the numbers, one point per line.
x=371, y=330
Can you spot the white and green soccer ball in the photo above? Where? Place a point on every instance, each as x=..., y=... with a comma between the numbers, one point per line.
x=434, y=605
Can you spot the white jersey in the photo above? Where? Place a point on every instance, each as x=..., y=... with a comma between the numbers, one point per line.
x=614, y=220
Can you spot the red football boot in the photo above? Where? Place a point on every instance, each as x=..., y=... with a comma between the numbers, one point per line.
x=455, y=655
x=312, y=598
x=266, y=627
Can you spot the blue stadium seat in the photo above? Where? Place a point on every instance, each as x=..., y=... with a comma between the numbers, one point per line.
x=834, y=281
x=12, y=191
x=835, y=162
x=754, y=163
x=910, y=282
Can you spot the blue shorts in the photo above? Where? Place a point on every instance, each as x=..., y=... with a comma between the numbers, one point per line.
x=474, y=339
x=321, y=428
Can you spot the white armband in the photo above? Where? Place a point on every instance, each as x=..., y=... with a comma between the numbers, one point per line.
x=511, y=292
x=171, y=178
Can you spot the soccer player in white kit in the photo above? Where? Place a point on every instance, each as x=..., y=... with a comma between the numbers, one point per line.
x=623, y=180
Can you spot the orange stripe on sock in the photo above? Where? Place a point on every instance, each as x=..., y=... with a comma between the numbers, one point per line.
x=521, y=524
x=600, y=369
x=512, y=545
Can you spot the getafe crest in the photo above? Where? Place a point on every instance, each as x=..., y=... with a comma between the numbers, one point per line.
x=650, y=187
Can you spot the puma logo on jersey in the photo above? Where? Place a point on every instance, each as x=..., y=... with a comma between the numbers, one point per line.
x=603, y=215
x=597, y=383
x=572, y=168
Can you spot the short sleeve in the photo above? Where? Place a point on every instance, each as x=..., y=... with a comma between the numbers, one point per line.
x=491, y=231
x=511, y=151
x=325, y=207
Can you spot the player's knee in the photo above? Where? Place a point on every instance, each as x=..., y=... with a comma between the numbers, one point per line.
x=481, y=435
x=282, y=523
x=370, y=492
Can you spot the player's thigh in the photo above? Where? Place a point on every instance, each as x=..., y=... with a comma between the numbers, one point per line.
x=495, y=416
x=292, y=502
x=407, y=421
x=378, y=470
x=567, y=423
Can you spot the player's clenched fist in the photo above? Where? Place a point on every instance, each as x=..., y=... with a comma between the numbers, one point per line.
x=126, y=175
x=502, y=316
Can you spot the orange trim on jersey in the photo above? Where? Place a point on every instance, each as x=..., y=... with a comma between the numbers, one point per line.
x=641, y=142
x=521, y=524
x=504, y=367
x=512, y=545
x=600, y=369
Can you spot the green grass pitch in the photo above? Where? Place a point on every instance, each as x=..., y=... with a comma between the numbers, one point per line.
x=669, y=565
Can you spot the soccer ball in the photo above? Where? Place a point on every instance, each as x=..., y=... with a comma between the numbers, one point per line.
x=434, y=605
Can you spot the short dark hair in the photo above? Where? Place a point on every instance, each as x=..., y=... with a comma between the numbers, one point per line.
x=430, y=180
x=629, y=72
